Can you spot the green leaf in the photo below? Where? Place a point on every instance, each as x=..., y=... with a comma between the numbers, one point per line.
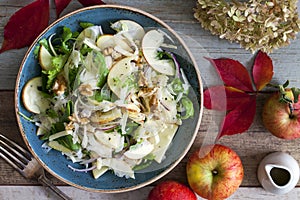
x=43, y=42
x=177, y=86
x=51, y=113
x=164, y=55
x=296, y=93
x=72, y=76
x=58, y=63
x=67, y=141
x=85, y=25
x=103, y=71
x=189, y=108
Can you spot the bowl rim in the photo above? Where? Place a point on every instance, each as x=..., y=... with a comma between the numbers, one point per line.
x=193, y=61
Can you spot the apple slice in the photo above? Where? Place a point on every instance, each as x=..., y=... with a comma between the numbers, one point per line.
x=116, y=42
x=166, y=137
x=91, y=32
x=105, y=117
x=99, y=172
x=118, y=73
x=114, y=140
x=45, y=58
x=135, y=30
x=139, y=150
x=105, y=41
x=55, y=145
x=32, y=97
x=151, y=42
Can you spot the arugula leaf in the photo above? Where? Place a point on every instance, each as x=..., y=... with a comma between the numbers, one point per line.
x=72, y=76
x=55, y=128
x=67, y=141
x=66, y=112
x=64, y=42
x=163, y=55
x=51, y=113
x=103, y=71
x=57, y=63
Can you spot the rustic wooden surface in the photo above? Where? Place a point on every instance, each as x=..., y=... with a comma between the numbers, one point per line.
x=252, y=145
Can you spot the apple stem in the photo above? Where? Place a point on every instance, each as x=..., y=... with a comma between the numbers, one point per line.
x=291, y=110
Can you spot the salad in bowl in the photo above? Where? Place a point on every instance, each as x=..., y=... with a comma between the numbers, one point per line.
x=108, y=101
x=108, y=98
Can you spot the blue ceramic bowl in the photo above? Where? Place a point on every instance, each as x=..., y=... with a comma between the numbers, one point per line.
x=53, y=161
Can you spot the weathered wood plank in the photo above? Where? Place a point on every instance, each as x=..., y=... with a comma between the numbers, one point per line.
x=31, y=192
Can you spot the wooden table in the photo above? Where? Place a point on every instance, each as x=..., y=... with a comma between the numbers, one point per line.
x=252, y=145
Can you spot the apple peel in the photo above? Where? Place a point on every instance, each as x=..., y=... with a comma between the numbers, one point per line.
x=214, y=171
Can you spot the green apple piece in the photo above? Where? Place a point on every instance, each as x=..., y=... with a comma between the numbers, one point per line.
x=150, y=44
x=118, y=73
x=99, y=172
x=166, y=137
x=139, y=150
x=32, y=97
x=45, y=58
x=55, y=145
x=135, y=30
x=60, y=134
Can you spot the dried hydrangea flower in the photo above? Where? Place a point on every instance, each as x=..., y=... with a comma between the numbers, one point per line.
x=255, y=24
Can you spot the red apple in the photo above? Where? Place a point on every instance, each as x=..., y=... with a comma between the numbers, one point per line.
x=279, y=118
x=171, y=190
x=214, y=172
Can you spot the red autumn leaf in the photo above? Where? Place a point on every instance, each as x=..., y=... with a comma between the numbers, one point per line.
x=25, y=25
x=60, y=5
x=239, y=119
x=91, y=2
x=262, y=70
x=224, y=98
x=233, y=73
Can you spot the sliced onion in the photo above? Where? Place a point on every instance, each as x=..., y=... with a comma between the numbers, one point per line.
x=82, y=170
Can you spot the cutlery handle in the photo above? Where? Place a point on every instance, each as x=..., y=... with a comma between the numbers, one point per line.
x=47, y=183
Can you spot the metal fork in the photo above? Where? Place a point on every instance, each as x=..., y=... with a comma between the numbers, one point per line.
x=26, y=164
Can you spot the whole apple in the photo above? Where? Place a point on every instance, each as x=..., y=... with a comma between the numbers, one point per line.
x=171, y=190
x=280, y=118
x=214, y=172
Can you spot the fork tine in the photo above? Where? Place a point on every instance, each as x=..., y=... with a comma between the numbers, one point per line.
x=8, y=151
x=26, y=153
x=11, y=163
